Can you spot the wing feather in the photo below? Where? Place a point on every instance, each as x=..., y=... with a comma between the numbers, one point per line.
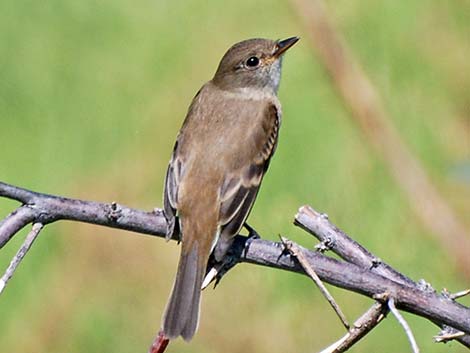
x=239, y=190
x=170, y=193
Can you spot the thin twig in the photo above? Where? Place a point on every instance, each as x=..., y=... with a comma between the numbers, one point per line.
x=30, y=238
x=370, y=319
x=297, y=251
x=404, y=324
x=444, y=337
x=460, y=294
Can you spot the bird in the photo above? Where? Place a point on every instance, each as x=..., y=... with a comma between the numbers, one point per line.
x=221, y=154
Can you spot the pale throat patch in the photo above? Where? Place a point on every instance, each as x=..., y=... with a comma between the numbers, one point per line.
x=251, y=93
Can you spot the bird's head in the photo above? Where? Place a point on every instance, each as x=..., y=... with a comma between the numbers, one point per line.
x=253, y=64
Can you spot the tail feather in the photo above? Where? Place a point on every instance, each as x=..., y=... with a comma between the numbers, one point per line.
x=182, y=313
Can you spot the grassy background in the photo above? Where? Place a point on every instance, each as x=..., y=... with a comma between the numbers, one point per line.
x=92, y=94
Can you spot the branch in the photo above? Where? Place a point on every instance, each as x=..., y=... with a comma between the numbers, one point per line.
x=351, y=277
x=370, y=319
x=341, y=244
x=404, y=324
x=296, y=251
x=14, y=222
x=45, y=209
x=441, y=309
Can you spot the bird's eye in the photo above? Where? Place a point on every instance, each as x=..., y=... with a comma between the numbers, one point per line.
x=252, y=61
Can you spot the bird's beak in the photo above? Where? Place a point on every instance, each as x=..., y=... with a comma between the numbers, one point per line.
x=283, y=45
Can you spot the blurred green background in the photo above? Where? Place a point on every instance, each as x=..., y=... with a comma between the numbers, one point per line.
x=92, y=94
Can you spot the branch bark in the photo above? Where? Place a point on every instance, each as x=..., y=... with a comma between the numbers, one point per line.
x=45, y=209
x=365, y=280
x=370, y=319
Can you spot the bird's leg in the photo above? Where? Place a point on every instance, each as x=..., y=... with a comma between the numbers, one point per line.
x=252, y=234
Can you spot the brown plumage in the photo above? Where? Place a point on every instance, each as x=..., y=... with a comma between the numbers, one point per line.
x=221, y=154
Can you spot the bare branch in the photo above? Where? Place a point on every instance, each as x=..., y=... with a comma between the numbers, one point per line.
x=362, y=326
x=44, y=208
x=341, y=244
x=30, y=238
x=404, y=324
x=351, y=277
x=429, y=304
x=16, y=193
x=14, y=222
x=344, y=246
x=296, y=250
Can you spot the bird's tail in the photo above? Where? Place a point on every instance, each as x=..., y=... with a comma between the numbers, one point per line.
x=182, y=312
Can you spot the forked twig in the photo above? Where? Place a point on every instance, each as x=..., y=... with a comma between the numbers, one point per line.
x=319, y=225
x=362, y=326
x=334, y=239
x=297, y=251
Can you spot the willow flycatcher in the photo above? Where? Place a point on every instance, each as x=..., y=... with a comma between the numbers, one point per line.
x=220, y=157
